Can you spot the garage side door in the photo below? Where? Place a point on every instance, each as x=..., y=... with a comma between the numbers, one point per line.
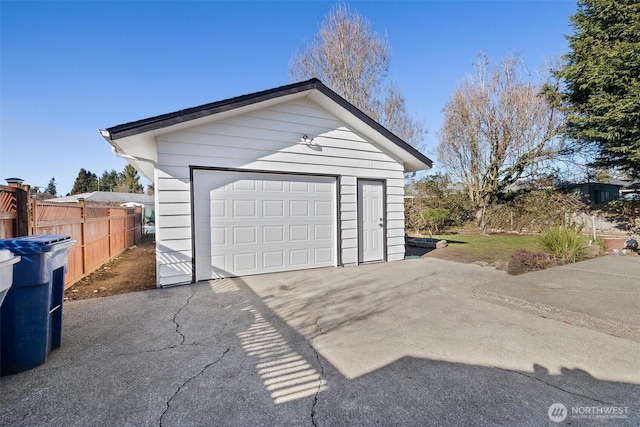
x=253, y=223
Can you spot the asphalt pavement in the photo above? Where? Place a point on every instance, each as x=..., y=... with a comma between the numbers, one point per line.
x=415, y=342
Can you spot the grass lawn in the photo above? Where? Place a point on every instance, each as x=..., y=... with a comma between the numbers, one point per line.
x=488, y=248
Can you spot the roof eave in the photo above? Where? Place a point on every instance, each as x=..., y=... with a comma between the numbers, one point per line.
x=193, y=113
x=414, y=162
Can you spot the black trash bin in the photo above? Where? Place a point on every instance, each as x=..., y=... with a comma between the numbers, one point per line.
x=31, y=315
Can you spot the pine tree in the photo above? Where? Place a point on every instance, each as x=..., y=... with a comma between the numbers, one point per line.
x=129, y=181
x=602, y=81
x=51, y=188
x=109, y=180
x=85, y=182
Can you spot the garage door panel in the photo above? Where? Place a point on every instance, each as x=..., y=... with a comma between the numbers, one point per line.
x=218, y=208
x=218, y=264
x=322, y=255
x=299, y=257
x=323, y=187
x=299, y=187
x=273, y=234
x=273, y=259
x=218, y=236
x=272, y=185
x=244, y=209
x=299, y=208
x=244, y=185
x=273, y=208
x=299, y=233
x=245, y=235
x=321, y=208
x=322, y=232
x=250, y=223
x=245, y=262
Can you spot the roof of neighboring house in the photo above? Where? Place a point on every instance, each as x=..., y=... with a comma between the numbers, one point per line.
x=305, y=88
x=576, y=184
x=107, y=197
x=625, y=183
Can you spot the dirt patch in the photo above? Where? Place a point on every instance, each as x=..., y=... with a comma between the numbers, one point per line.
x=131, y=271
x=455, y=253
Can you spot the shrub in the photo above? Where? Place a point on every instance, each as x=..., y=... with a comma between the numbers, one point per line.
x=436, y=194
x=434, y=219
x=522, y=261
x=532, y=210
x=565, y=244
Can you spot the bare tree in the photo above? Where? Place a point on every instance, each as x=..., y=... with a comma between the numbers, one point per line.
x=398, y=120
x=353, y=60
x=498, y=129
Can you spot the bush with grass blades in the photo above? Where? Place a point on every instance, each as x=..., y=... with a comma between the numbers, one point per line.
x=565, y=244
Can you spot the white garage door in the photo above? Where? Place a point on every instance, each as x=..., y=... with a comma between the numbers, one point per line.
x=252, y=223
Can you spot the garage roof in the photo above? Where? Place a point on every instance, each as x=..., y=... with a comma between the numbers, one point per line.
x=346, y=112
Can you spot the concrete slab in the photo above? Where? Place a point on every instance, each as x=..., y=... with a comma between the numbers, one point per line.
x=403, y=343
x=602, y=294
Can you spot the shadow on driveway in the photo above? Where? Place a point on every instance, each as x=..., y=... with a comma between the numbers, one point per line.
x=401, y=344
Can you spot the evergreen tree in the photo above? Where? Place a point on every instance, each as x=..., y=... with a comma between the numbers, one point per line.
x=602, y=81
x=109, y=180
x=51, y=188
x=85, y=182
x=129, y=181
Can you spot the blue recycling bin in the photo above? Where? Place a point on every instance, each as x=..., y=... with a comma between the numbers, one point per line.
x=31, y=315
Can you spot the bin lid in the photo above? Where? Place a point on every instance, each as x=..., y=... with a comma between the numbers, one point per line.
x=35, y=244
x=5, y=255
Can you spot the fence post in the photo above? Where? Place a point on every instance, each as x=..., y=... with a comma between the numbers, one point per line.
x=109, y=232
x=23, y=205
x=83, y=233
x=24, y=208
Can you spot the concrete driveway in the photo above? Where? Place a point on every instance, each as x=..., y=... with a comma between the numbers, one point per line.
x=418, y=342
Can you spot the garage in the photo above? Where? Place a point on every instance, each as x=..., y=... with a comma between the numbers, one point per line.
x=253, y=223
x=288, y=178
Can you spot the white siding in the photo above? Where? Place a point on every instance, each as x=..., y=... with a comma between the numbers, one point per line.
x=269, y=140
x=349, y=220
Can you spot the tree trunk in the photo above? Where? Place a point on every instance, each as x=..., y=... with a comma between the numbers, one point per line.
x=482, y=221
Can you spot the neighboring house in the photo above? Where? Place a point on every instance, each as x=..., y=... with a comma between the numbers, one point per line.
x=108, y=198
x=146, y=201
x=285, y=179
x=594, y=193
x=628, y=189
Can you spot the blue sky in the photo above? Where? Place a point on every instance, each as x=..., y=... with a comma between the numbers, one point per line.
x=68, y=69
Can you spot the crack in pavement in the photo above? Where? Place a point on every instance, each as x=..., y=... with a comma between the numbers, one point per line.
x=180, y=387
x=315, y=397
x=178, y=312
x=554, y=386
x=404, y=334
x=177, y=330
x=158, y=350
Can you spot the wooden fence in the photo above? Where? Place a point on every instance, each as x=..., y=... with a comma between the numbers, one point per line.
x=13, y=212
x=100, y=232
